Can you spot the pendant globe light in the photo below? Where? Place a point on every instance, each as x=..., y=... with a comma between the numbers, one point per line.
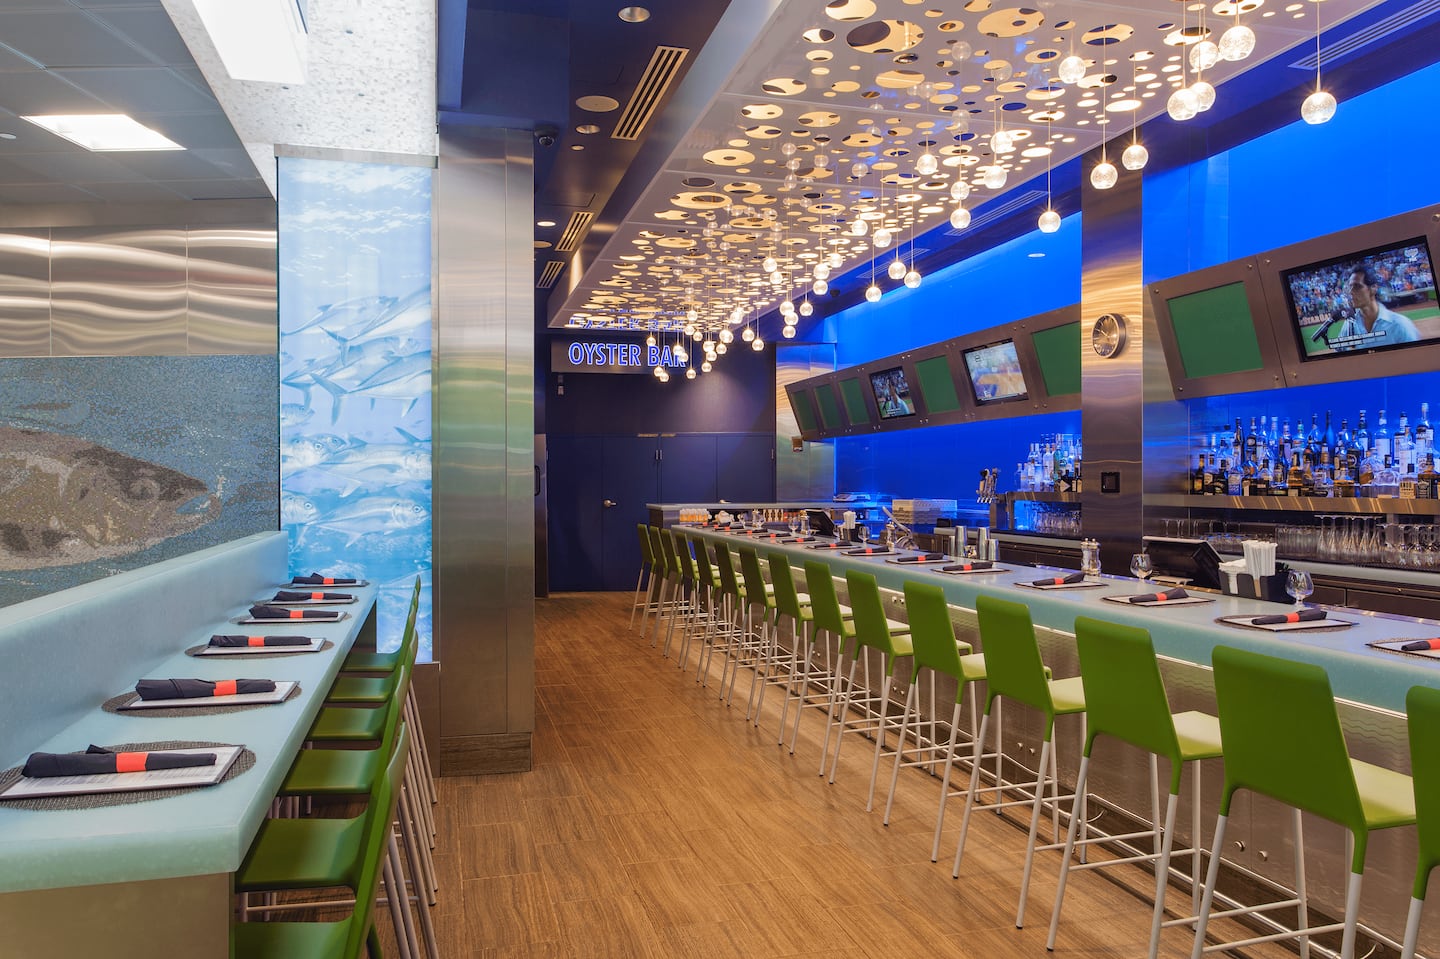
x=1319, y=106
x=959, y=217
x=1135, y=155
x=1104, y=176
x=1238, y=42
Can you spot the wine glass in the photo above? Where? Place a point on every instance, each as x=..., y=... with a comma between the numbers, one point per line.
x=863, y=533
x=1299, y=585
x=793, y=522
x=1140, y=566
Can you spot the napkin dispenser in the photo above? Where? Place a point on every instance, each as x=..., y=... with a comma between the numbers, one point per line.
x=1269, y=589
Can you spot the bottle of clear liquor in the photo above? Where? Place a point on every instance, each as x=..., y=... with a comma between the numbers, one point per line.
x=1424, y=435
x=1387, y=481
x=1380, y=440
x=1404, y=447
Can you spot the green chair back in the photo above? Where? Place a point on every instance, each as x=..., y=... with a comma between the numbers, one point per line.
x=755, y=592
x=646, y=555
x=1282, y=738
x=683, y=555
x=871, y=627
x=1124, y=694
x=824, y=603
x=380, y=814
x=932, y=635
x=672, y=561
x=703, y=569
x=1013, y=667
x=729, y=585
x=1422, y=708
x=787, y=597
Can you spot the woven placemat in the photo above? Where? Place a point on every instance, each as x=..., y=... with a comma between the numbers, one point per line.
x=248, y=620
x=113, y=704
x=277, y=652
x=1281, y=632
x=1378, y=644
x=243, y=763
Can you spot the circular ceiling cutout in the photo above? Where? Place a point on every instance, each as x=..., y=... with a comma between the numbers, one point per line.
x=699, y=201
x=761, y=111
x=1122, y=106
x=729, y=156
x=1108, y=34
x=819, y=35
x=783, y=86
x=885, y=36
x=750, y=223
x=1043, y=55
x=819, y=56
x=543, y=244
x=763, y=133
x=672, y=215
x=818, y=118
x=742, y=187
x=900, y=79
x=1231, y=8
x=844, y=86
x=1011, y=22
x=950, y=26
x=698, y=182
x=676, y=242
x=849, y=10
x=598, y=104
x=861, y=140
x=978, y=6
x=1011, y=86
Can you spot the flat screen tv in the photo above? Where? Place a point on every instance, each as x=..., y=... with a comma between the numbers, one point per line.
x=892, y=393
x=995, y=375
x=1364, y=302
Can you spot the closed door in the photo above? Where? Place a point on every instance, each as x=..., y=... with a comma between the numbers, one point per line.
x=629, y=482
x=575, y=540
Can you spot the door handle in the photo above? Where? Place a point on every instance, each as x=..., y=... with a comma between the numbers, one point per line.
x=610, y=504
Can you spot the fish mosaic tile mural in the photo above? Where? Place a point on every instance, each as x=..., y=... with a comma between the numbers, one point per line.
x=355, y=378
x=110, y=463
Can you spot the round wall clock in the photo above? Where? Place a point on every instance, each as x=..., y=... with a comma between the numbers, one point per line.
x=1107, y=335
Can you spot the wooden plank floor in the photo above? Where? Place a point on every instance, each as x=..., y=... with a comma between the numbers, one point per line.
x=658, y=823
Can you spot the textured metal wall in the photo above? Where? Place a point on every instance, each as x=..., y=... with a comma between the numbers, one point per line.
x=95, y=290
x=810, y=473
x=484, y=449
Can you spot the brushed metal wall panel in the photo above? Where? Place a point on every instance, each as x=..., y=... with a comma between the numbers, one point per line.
x=118, y=292
x=25, y=293
x=484, y=433
x=231, y=282
x=809, y=474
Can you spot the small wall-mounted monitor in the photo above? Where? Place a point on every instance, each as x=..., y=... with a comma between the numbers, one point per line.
x=995, y=374
x=892, y=393
x=1378, y=299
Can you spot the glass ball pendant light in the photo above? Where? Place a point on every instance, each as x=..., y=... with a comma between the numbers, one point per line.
x=650, y=340
x=697, y=336
x=1237, y=43
x=788, y=332
x=1071, y=69
x=912, y=279
x=726, y=336
x=819, y=287
x=747, y=334
x=1104, y=176
x=858, y=170
x=659, y=372
x=787, y=308
x=1002, y=141
x=872, y=293
x=896, y=269
x=1182, y=104
x=690, y=373
x=821, y=271
x=806, y=308
x=680, y=353
x=721, y=350
x=960, y=218
x=820, y=161
x=1204, y=55
x=1204, y=95
x=994, y=178
x=859, y=228
x=1135, y=157
x=757, y=344
x=959, y=190
x=706, y=367
x=768, y=264
x=1318, y=107
x=961, y=51
x=926, y=164
x=882, y=238
x=1049, y=221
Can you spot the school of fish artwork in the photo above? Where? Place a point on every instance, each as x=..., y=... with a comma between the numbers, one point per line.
x=66, y=500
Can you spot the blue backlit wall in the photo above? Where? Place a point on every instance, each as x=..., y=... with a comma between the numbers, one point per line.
x=355, y=377
x=1007, y=283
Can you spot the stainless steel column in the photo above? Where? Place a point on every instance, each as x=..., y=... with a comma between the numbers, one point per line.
x=1112, y=388
x=484, y=449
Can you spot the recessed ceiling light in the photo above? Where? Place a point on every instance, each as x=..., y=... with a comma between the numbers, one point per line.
x=104, y=132
x=1035, y=256
x=577, y=146
x=262, y=40
x=544, y=222
x=634, y=14
x=588, y=128
x=7, y=136
x=599, y=103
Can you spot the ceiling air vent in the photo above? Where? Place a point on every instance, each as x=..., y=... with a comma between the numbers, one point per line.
x=1379, y=30
x=574, y=231
x=551, y=273
x=1001, y=211
x=664, y=66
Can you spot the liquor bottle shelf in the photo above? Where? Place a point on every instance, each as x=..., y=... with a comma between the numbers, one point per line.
x=1042, y=496
x=1300, y=504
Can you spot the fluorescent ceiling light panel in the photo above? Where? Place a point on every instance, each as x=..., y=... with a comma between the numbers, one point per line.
x=262, y=40
x=104, y=132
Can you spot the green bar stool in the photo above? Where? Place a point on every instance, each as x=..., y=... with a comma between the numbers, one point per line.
x=1125, y=699
x=655, y=593
x=766, y=656
x=736, y=619
x=672, y=592
x=647, y=566
x=1422, y=708
x=834, y=623
x=891, y=640
x=1282, y=739
x=664, y=576
x=813, y=687
x=687, y=612
x=1015, y=672
x=325, y=853
x=710, y=600
x=937, y=652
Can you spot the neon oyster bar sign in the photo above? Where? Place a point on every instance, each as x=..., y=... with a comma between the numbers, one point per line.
x=602, y=356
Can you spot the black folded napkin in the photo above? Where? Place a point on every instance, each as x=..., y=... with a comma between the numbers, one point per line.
x=240, y=641
x=1300, y=616
x=868, y=551
x=1420, y=645
x=196, y=688
x=925, y=558
x=830, y=546
x=97, y=761
x=279, y=612
x=290, y=596
x=800, y=539
x=1060, y=580
x=1169, y=594
x=967, y=567
x=315, y=579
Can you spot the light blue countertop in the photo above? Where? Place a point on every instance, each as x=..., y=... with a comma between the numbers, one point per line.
x=1188, y=633
x=201, y=832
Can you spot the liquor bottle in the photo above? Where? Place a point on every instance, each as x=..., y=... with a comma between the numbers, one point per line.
x=1425, y=481
x=1424, y=435
x=1387, y=481
x=1197, y=478
x=1278, y=473
x=1295, y=482
x=1210, y=470
x=1346, y=451
x=1407, y=483
x=1259, y=484
x=1365, y=476
x=1234, y=479
x=1380, y=439
x=1404, y=447
x=1252, y=447
x=1287, y=449
x=1344, y=486
x=1313, y=441
x=1362, y=434
x=1327, y=444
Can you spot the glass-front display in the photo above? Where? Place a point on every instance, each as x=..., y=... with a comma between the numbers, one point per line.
x=995, y=374
x=892, y=394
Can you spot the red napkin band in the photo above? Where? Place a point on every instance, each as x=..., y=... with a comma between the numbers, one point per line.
x=1292, y=617
x=1159, y=598
x=1059, y=581
x=967, y=567
x=317, y=595
x=328, y=581
x=255, y=640
x=224, y=687
x=297, y=614
x=130, y=762
x=1415, y=645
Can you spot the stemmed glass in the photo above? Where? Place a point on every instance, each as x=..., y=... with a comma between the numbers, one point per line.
x=1299, y=585
x=793, y=522
x=863, y=532
x=1140, y=566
